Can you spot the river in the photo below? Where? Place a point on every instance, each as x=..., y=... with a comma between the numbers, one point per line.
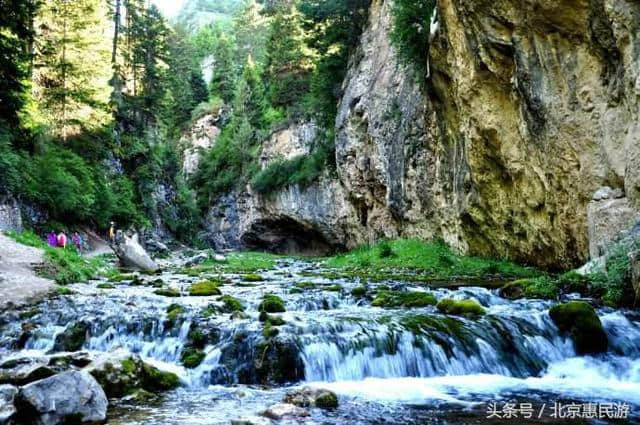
x=391, y=366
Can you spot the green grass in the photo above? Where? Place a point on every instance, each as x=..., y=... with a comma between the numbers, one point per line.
x=204, y=289
x=435, y=259
x=240, y=262
x=65, y=266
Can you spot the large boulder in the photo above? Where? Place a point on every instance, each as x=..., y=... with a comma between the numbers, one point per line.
x=72, y=338
x=609, y=215
x=68, y=397
x=580, y=320
x=7, y=403
x=284, y=410
x=132, y=254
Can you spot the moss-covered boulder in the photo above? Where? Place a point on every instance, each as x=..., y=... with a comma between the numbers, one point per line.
x=540, y=287
x=409, y=299
x=167, y=292
x=460, y=307
x=252, y=277
x=72, y=338
x=121, y=373
x=272, y=304
x=191, y=357
x=310, y=397
x=580, y=320
x=205, y=288
x=174, y=311
x=359, y=291
x=231, y=304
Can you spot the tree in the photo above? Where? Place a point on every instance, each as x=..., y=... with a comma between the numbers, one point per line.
x=198, y=87
x=71, y=65
x=287, y=64
x=250, y=28
x=249, y=100
x=223, y=78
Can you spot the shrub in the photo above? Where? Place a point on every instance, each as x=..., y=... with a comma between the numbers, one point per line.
x=411, y=30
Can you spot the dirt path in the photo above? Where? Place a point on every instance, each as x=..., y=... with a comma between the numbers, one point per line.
x=19, y=284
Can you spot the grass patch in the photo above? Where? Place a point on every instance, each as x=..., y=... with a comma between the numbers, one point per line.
x=249, y=262
x=391, y=299
x=434, y=260
x=65, y=266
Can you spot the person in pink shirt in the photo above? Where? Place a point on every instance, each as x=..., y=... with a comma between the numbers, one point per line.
x=62, y=240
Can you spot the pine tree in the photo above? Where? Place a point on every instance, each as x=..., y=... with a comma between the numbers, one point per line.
x=287, y=66
x=72, y=66
x=249, y=98
x=198, y=87
x=250, y=28
x=223, y=79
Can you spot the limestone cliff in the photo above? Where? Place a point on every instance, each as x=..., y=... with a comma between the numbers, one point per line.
x=532, y=106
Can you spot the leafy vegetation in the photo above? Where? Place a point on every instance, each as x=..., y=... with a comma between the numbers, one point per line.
x=411, y=31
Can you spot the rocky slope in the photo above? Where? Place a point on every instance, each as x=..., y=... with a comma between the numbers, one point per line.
x=531, y=107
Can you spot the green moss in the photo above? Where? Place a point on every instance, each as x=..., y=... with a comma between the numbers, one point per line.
x=270, y=331
x=581, y=321
x=272, y=304
x=295, y=291
x=249, y=262
x=191, y=357
x=231, y=304
x=540, y=287
x=275, y=321
x=196, y=338
x=359, y=291
x=62, y=290
x=174, y=311
x=119, y=277
x=332, y=288
x=420, y=324
x=156, y=380
x=252, y=277
x=129, y=366
x=204, y=289
x=463, y=307
x=167, y=292
x=304, y=285
x=390, y=299
x=105, y=286
x=208, y=311
x=327, y=400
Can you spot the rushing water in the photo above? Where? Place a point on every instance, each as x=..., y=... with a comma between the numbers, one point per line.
x=383, y=369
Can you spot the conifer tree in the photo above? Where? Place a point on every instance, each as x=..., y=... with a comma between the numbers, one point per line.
x=223, y=78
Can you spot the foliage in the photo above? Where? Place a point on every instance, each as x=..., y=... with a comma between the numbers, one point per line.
x=10, y=178
x=411, y=31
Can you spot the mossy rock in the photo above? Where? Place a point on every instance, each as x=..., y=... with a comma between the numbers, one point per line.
x=359, y=291
x=191, y=357
x=122, y=277
x=424, y=324
x=272, y=304
x=390, y=299
x=156, y=380
x=208, y=311
x=167, y=292
x=231, y=304
x=252, y=277
x=174, y=311
x=72, y=338
x=461, y=308
x=332, y=288
x=327, y=400
x=105, y=286
x=270, y=331
x=296, y=291
x=205, y=288
x=580, y=320
x=304, y=285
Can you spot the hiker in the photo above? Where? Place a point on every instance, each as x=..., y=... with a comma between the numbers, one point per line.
x=112, y=232
x=77, y=241
x=52, y=239
x=62, y=240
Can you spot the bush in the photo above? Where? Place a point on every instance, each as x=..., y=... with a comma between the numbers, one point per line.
x=10, y=179
x=410, y=31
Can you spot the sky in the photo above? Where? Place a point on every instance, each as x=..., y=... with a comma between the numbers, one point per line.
x=169, y=7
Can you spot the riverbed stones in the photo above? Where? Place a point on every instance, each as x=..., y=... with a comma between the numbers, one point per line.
x=70, y=396
x=312, y=397
x=580, y=320
x=251, y=420
x=8, y=394
x=285, y=410
x=25, y=373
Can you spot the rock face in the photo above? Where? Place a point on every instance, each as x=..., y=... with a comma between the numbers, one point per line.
x=530, y=109
x=608, y=215
x=201, y=137
x=133, y=255
x=7, y=407
x=69, y=396
x=10, y=215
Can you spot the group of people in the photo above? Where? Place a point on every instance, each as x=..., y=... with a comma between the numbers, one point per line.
x=61, y=240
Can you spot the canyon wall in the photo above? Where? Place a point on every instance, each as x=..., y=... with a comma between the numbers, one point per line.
x=531, y=107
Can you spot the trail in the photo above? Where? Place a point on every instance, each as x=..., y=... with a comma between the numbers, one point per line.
x=19, y=284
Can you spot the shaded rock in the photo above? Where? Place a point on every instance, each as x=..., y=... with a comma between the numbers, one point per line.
x=72, y=338
x=25, y=372
x=132, y=254
x=10, y=215
x=155, y=245
x=278, y=361
x=196, y=259
x=607, y=219
x=283, y=410
x=580, y=320
x=312, y=397
x=8, y=394
x=70, y=396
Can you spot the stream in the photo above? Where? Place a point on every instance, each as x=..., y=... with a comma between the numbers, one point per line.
x=387, y=366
